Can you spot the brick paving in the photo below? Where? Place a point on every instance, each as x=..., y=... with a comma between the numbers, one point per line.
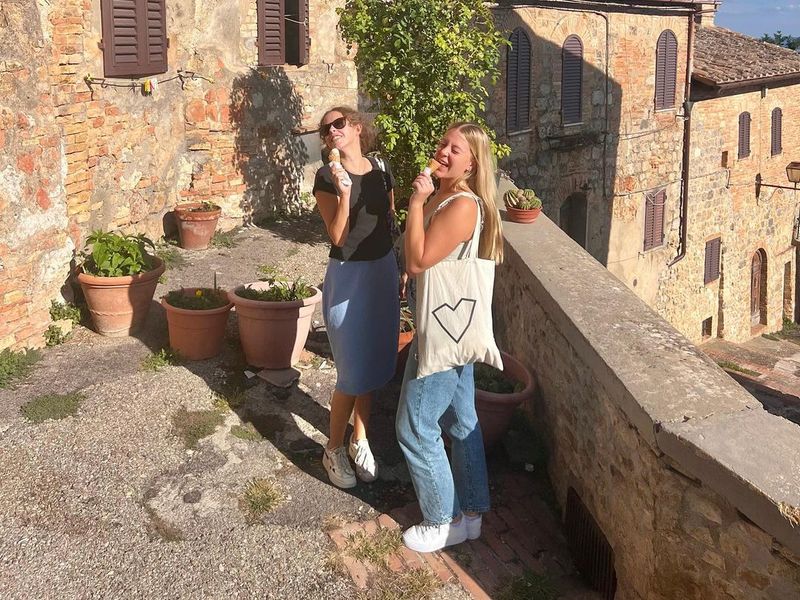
x=520, y=534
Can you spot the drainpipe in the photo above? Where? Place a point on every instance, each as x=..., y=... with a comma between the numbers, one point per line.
x=687, y=138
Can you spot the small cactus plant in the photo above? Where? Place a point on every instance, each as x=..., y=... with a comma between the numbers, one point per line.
x=524, y=199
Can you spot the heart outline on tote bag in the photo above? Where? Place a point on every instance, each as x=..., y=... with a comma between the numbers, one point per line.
x=453, y=310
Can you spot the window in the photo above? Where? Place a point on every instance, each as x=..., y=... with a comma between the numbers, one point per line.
x=777, y=133
x=744, y=135
x=518, y=82
x=666, y=70
x=706, y=327
x=711, y=271
x=654, y=219
x=134, y=37
x=571, y=80
x=283, y=32
x=572, y=217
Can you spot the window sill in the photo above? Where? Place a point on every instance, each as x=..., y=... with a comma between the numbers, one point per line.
x=519, y=133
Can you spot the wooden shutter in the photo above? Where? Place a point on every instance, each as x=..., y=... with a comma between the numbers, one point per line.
x=571, y=80
x=777, y=131
x=271, y=32
x=666, y=70
x=654, y=219
x=711, y=271
x=297, y=38
x=744, y=135
x=518, y=82
x=134, y=37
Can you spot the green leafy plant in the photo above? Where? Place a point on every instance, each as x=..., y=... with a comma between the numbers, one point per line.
x=199, y=299
x=51, y=406
x=64, y=312
x=109, y=254
x=260, y=496
x=225, y=239
x=158, y=360
x=426, y=65
x=15, y=365
x=529, y=586
x=524, y=199
x=205, y=206
x=54, y=336
x=489, y=379
x=280, y=289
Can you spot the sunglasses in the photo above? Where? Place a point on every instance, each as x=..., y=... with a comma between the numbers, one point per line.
x=339, y=124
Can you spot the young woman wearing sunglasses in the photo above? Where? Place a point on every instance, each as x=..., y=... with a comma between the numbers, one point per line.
x=360, y=292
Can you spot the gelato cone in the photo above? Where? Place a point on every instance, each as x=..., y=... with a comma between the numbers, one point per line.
x=433, y=165
x=334, y=157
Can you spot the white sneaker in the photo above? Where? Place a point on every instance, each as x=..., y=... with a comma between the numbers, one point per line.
x=366, y=467
x=430, y=538
x=473, y=526
x=338, y=467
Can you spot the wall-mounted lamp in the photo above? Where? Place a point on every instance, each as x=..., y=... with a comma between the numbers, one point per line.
x=792, y=173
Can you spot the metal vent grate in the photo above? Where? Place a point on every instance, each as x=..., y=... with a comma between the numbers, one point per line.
x=590, y=549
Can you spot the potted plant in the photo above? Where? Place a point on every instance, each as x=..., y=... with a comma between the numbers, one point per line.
x=197, y=318
x=522, y=205
x=407, y=331
x=118, y=277
x=197, y=222
x=498, y=394
x=274, y=319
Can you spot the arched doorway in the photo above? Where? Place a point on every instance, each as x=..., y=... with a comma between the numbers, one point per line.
x=758, y=289
x=572, y=217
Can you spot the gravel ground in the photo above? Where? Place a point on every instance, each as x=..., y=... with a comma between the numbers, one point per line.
x=111, y=504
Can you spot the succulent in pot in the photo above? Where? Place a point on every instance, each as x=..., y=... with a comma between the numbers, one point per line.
x=118, y=276
x=522, y=205
x=197, y=318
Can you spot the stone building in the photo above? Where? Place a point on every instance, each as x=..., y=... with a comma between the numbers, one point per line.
x=85, y=145
x=624, y=117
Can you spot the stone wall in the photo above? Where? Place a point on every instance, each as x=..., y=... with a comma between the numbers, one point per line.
x=722, y=203
x=623, y=149
x=76, y=157
x=694, y=485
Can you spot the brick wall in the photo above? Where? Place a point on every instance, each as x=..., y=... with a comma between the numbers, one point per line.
x=722, y=203
x=77, y=157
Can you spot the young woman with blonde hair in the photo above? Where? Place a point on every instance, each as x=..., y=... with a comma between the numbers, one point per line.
x=360, y=303
x=440, y=226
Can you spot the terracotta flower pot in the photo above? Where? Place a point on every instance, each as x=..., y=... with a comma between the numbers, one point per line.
x=495, y=410
x=273, y=333
x=196, y=227
x=196, y=334
x=119, y=305
x=522, y=215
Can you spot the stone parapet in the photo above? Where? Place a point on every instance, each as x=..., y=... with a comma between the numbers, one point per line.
x=694, y=485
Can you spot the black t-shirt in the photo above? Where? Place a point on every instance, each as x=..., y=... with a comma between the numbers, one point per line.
x=369, y=237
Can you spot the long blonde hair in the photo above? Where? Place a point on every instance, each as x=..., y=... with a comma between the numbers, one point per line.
x=481, y=181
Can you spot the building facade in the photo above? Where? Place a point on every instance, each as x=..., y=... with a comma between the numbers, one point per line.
x=112, y=111
x=612, y=121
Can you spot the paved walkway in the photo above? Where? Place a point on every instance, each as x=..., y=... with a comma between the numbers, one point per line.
x=151, y=489
x=768, y=367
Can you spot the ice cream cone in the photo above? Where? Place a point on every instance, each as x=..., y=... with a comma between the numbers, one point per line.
x=433, y=165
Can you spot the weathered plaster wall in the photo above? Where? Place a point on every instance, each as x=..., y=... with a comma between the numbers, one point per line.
x=75, y=157
x=722, y=203
x=683, y=470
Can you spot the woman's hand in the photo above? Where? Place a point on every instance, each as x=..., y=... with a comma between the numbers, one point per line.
x=339, y=176
x=422, y=186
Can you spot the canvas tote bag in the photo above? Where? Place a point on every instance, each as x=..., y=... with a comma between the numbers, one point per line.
x=454, y=310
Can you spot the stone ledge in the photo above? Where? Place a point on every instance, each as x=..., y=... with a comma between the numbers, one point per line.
x=679, y=400
x=751, y=458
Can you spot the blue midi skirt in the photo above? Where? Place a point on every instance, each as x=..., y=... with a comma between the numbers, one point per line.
x=361, y=309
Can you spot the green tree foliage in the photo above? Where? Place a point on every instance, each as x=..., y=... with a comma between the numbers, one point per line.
x=781, y=39
x=425, y=64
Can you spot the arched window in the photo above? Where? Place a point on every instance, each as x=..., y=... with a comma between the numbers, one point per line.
x=744, y=135
x=571, y=80
x=518, y=82
x=777, y=133
x=666, y=69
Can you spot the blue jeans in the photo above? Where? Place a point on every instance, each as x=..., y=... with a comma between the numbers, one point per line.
x=442, y=401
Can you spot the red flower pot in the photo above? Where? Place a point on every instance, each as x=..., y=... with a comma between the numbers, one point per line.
x=119, y=305
x=273, y=333
x=196, y=334
x=195, y=227
x=522, y=215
